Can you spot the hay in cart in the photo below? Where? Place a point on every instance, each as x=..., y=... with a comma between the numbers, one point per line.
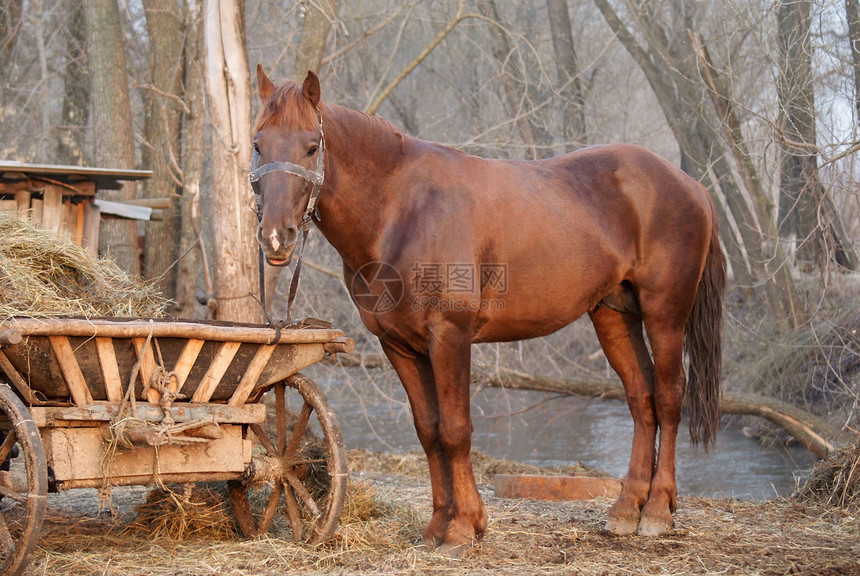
x=48, y=276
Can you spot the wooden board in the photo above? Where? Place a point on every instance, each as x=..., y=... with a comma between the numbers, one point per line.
x=555, y=487
x=77, y=456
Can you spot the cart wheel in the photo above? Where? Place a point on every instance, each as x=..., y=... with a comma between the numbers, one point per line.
x=300, y=475
x=22, y=506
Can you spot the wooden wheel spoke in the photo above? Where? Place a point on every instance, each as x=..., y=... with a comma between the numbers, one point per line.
x=7, y=492
x=303, y=493
x=281, y=416
x=268, y=513
x=294, y=514
x=7, y=445
x=6, y=540
x=298, y=431
x=261, y=435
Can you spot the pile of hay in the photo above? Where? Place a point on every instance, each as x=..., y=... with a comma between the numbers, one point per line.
x=195, y=512
x=45, y=276
x=834, y=481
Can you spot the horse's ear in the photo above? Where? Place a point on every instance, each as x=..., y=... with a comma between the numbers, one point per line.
x=311, y=88
x=265, y=85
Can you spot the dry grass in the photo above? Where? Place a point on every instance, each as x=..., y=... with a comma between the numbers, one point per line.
x=389, y=503
x=44, y=275
x=835, y=481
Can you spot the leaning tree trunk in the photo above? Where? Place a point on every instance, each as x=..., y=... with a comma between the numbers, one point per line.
x=229, y=88
x=112, y=127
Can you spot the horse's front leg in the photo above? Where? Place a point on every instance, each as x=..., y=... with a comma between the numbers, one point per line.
x=450, y=355
x=416, y=375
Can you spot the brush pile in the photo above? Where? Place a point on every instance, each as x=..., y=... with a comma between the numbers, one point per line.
x=42, y=275
x=835, y=481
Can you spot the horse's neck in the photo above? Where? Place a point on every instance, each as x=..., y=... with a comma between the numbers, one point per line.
x=363, y=154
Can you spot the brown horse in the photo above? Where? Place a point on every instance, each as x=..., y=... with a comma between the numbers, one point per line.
x=442, y=249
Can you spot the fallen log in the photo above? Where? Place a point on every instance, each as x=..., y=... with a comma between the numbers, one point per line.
x=819, y=437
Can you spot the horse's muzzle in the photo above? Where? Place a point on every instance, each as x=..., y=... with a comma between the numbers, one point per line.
x=278, y=245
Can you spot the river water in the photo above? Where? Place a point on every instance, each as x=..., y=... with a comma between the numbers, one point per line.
x=547, y=430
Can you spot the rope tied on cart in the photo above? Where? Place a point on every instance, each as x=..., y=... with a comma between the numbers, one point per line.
x=130, y=430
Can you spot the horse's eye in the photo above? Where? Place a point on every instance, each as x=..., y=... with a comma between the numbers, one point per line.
x=256, y=148
x=312, y=150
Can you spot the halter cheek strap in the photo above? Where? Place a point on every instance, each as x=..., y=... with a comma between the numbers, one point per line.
x=314, y=177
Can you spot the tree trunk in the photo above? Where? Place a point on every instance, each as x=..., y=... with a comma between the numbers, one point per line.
x=76, y=96
x=312, y=43
x=570, y=90
x=312, y=37
x=112, y=127
x=852, y=12
x=805, y=210
x=192, y=165
x=228, y=85
x=10, y=22
x=162, y=135
x=516, y=86
x=671, y=78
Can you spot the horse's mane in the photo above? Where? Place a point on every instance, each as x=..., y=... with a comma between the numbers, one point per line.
x=288, y=107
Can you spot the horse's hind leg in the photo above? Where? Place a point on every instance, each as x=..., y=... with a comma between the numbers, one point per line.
x=621, y=337
x=666, y=337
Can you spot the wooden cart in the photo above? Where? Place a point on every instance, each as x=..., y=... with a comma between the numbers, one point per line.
x=110, y=402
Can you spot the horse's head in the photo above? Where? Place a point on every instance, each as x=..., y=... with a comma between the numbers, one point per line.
x=288, y=161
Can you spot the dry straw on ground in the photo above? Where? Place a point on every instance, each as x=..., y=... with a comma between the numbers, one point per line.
x=44, y=275
x=392, y=503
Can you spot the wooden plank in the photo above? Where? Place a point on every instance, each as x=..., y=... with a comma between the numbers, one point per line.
x=79, y=217
x=186, y=361
x=146, y=357
x=110, y=369
x=9, y=205
x=78, y=458
x=22, y=200
x=36, y=211
x=252, y=375
x=180, y=411
x=216, y=371
x=52, y=208
x=221, y=332
x=123, y=210
x=92, y=223
x=555, y=487
x=71, y=370
x=18, y=381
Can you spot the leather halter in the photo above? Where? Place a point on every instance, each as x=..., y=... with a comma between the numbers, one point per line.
x=314, y=177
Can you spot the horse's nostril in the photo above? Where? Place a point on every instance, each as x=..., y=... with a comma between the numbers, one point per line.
x=291, y=235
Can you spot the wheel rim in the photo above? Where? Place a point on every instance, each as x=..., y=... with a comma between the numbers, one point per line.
x=304, y=490
x=22, y=507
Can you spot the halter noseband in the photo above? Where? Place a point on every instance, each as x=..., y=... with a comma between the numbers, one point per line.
x=314, y=177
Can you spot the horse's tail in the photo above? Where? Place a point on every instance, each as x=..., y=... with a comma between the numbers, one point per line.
x=704, y=345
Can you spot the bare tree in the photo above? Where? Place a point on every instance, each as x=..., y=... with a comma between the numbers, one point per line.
x=570, y=90
x=191, y=252
x=805, y=211
x=229, y=90
x=162, y=135
x=852, y=13
x=112, y=126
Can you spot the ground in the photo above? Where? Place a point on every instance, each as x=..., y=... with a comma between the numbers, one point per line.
x=377, y=536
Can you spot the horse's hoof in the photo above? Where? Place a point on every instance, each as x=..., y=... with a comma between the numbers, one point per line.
x=621, y=526
x=655, y=526
x=453, y=550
